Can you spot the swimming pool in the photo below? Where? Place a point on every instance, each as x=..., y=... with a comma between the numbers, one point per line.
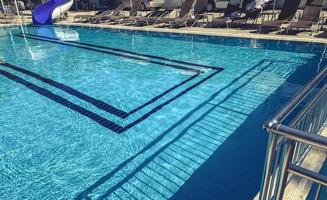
x=114, y=114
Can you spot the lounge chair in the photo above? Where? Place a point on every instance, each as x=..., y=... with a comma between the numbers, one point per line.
x=117, y=19
x=86, y=18
x=251, y=14
x=286, y=15
x=191, y=19
x=310, y=18
x=184, y=11
x=133, y=19
x=223, y=21
x=108, y=15
x=142, y=20
x=153, y=19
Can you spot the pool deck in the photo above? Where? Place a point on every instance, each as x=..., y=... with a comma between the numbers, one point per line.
x=224, y=32
x=320, y=37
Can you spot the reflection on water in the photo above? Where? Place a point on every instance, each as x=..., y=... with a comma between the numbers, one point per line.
x=66, y=34
x=38, y=52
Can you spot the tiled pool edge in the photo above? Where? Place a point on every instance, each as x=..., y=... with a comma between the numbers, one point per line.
x=8, y=25
x=204, y=32
x=198, y=31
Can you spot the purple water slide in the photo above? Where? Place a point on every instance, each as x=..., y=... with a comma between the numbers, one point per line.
x=42, y=15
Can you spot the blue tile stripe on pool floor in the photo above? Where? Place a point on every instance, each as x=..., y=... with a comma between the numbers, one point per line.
x=129, y=52
x=84, y=194
x=44, y=92
x=109, y=52
x=102, y=105
x=148, y=59
x=91, y=115
x=98, y=103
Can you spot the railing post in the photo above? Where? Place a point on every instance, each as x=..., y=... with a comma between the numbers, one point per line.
x=318, y=192
x=289, y=148
x=287, y=144
x=267, y=169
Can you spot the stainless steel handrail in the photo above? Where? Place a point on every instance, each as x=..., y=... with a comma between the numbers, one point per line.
x=309, y=106
x=285, y=140
x=305, y=173
x=284, y=112
x=300, y=136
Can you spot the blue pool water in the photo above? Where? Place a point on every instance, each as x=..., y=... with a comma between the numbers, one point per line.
x=113, y=114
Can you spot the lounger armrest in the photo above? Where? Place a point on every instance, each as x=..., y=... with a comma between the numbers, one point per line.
x=134, y=14
x=210, y=15
x=149, y=16
x=152, y=15
x=296, y=17
x=202, y=16
x=188, y=15
x=176, y=12
x=221, y=14
x=317, y=25
x=164, y=14
x=270, y=15
x=323, y=19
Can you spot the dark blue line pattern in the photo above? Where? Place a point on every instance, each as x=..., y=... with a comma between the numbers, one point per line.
x=100, y=104
x=171, y=100
x=84, y=194
x=129, y=52
x=44, y=92
x=91, y=115
x=111, y=53
x=162, y=94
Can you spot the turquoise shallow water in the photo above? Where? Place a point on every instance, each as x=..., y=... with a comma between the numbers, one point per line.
x=90, y=113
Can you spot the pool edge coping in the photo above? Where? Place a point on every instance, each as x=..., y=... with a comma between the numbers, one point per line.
x=203, y=33
x=189, y=31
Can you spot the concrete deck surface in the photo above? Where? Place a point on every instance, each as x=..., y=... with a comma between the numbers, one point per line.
x=320, y=37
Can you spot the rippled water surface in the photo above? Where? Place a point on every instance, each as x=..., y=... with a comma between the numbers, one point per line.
x=90, y=113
